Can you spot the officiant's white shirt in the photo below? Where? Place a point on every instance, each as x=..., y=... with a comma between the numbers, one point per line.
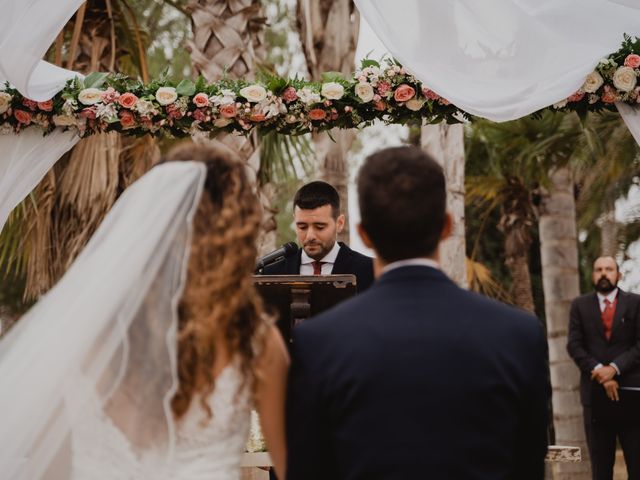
x=306, y=267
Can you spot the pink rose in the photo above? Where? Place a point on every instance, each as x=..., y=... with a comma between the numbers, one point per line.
x=89, y=113
x=46, y=106
x=174, y=112
x=128, y=100
x=199, y=114
x=632, y=61
x=201, y=100
x=444, y=101
x=127, y=119
x=228, y=111
x=384, y=88
x=22, y=116
x=403, y=93
x=609, y=95
x=30, y=104
x=576, y=97
x=430, y=94
x=289, y=95
x=317, y=114
x=109, y=95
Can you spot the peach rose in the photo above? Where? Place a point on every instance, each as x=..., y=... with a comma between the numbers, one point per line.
x=632, y=61
x=317, y=114
x=201, y=100
x=609, y=95
x=46, y=106
x=127, y=119
x=404, y=93
x=228, y=111
x=257, y=117
x=22, y=116
x=128, y=100
x=380, y=105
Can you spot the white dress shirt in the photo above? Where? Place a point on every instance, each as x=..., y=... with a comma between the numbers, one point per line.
x=306, y=267
x=611, y=296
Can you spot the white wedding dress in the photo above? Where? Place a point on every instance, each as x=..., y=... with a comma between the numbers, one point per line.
x=207, y=448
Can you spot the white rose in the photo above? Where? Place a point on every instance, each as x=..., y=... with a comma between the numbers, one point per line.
x=332, y=91
x=593, y=82
x=625, y=79
x=308, y=96
x=166, y=95
x=560, y=104
x=90, y=96
x=254, y=93
x=364, y=91
x=5, y=102
x=64, y=120
x=222, y=122
x=6, y=129
x=415, y=104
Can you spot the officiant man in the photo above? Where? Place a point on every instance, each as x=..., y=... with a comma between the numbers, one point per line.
x=318, y=221
x=604, y=341
x=415, y=378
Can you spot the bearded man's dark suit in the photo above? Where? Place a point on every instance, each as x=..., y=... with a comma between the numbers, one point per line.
x=347, y=262
x=588, y=346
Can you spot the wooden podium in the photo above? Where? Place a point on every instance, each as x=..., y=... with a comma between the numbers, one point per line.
x=295, y=298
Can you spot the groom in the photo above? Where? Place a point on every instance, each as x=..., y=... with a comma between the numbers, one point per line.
x=415, y=378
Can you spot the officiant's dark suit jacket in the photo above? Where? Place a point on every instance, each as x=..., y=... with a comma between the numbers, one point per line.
x=347, y=262
x=588, y=345
x=418, y=379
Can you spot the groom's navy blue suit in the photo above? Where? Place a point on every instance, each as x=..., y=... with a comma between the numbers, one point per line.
x=418, y=379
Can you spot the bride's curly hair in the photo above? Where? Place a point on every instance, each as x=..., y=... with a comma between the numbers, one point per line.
x=220, y=303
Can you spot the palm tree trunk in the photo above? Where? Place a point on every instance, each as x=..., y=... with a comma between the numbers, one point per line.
x=446, y=144
x=228, y=40
x=83, y=186
x=329, y=33
x=608, y=233
x=518, y=264
x=559, y=253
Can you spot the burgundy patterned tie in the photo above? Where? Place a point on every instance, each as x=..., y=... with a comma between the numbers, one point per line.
x=317, y=267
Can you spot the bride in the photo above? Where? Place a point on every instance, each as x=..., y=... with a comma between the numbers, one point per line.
x=130, y=369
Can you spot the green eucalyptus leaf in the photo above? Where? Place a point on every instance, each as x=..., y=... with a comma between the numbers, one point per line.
x=186, y=88
x=95, y=79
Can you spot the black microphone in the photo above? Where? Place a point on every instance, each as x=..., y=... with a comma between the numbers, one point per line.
x=286, y=250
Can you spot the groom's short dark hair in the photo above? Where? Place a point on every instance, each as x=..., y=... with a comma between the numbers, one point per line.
x=402, y=197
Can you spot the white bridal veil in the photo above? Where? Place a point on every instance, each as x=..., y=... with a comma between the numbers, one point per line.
x=100, y=346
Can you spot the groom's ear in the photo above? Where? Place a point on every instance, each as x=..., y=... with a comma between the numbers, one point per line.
x=448, y=226
x=364, y=236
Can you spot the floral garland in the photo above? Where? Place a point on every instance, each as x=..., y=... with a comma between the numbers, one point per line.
x=112, y=102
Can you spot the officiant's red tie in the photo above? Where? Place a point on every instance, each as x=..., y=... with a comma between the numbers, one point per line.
x=607, y=316
x=317, y=267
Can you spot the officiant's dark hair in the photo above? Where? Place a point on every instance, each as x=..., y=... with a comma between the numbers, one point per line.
x=317, y=194
x=402, y=197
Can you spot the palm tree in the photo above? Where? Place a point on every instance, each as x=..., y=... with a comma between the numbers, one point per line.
x=502, y=185
x=70, y=202
x=329, y=33
x=610, y=169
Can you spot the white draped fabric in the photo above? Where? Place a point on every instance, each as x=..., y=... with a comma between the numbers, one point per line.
x=101, y=345
x=27, y=30
x=502, y=59
x=24, y=161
